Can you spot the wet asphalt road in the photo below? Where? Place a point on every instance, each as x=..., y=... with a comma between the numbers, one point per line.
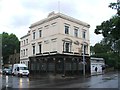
x=110, y=80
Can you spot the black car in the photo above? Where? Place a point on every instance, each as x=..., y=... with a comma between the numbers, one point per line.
x=7, y=71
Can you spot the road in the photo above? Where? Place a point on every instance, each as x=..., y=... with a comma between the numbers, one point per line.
x=110, y=80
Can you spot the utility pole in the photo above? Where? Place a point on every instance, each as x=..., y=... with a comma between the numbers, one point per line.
x=83, y=59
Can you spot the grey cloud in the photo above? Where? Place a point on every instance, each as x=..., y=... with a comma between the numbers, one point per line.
x=64, y=7
x=19, y=21
x=31, y=4
x=50, y=5
x=35, y=4
x=41, y=5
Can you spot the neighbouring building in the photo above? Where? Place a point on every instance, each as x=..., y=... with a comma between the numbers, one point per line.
x=55, y=44
x=97, y=62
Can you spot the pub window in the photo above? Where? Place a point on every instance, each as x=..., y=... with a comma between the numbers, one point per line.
x=40, y=33
x=76, y=32
x=24, y=42
x=33, y=35
x=67, y=47
x=84, y=34
x=27, y=41
x=26, y=52
x=40, y=48
x=33, y=49
x=66, y=29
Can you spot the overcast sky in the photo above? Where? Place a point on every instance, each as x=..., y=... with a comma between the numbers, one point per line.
x=17, y=15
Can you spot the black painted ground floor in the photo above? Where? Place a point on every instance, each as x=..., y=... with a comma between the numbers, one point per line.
x=59, y=64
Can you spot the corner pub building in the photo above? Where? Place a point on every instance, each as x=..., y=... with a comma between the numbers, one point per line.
x=55, y=45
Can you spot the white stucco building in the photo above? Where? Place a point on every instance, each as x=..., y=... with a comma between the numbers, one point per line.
x=58, y=37
x=96, y=62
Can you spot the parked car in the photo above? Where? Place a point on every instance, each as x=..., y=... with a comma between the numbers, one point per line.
x=7, y=71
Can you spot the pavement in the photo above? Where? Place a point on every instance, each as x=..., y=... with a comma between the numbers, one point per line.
x=60, y=76
x=107, y=80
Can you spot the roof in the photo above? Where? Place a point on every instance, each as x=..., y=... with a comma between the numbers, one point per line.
x=53, y=15
x=25, y=36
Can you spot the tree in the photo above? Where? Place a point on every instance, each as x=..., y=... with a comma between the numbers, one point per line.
x=9, y=44
x=101, y=50
x=116, y=6
x=110, y=30
x=111, y=27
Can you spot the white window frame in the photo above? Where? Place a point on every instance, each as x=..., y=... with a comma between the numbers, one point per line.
x=33, y=49
x=40, y=49
x=67, y=30
x=76, y=32
x=84, y=34
x=34, y=34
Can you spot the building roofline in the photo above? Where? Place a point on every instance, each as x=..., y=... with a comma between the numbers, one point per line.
x=59, y=15
x=25, y=36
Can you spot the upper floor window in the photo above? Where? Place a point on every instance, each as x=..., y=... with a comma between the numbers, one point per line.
x=40, y=48
x=66, y=29
x=33, y=35
x=26, y=52
x=83, y=34
x=76, y=32
x=67, y=47
x=40, y=33
x=33, y=49
x=26, y=40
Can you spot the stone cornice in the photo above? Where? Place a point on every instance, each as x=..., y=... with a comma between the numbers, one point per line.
x=25, y=36
x=60, y=15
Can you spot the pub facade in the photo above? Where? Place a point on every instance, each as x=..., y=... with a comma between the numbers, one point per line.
x=56, y=44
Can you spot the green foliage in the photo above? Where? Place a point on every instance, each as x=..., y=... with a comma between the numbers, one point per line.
x=9, y=44
x=109, y=28
x=109, y=48
x=115, y=6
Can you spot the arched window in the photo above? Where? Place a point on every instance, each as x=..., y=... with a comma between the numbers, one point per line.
x=67, y=43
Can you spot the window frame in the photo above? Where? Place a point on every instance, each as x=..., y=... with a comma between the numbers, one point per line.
x=67, y=47
x=40, y=48
x=66, y=29
x=76, y=32
x=33, y=49
x=84, y=34
x=40, y=33
x=34, y=35
x=27, y=41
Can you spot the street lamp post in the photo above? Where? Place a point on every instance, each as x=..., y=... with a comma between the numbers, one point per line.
x=83, y=59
